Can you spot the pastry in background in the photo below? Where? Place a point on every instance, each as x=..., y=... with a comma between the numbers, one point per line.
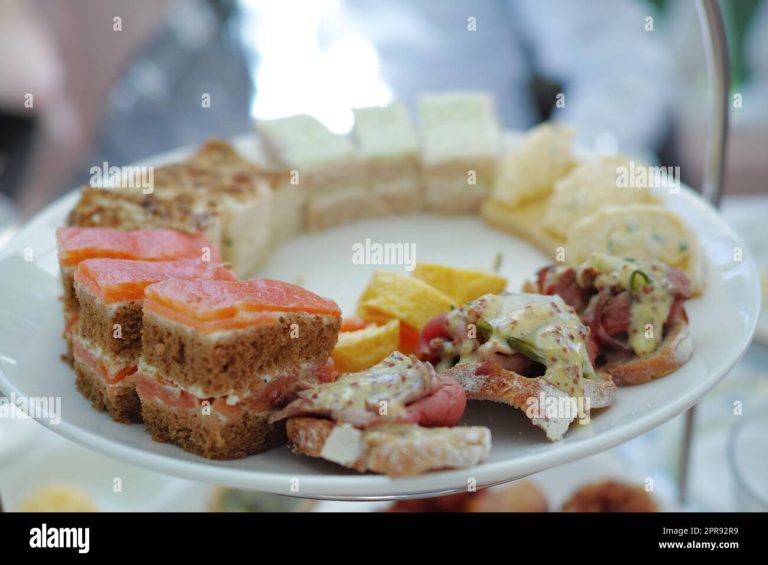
x=610, y=496
x=57, y=497
x=520, y=496
x=389, y=145
x=460, y=146
x=236, y=500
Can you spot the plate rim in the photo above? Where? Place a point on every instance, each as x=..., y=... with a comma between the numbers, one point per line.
x=380, y=487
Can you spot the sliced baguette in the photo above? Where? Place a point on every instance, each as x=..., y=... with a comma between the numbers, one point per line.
x=488, y=381
x=397, y=450
x=673, y=352
x=626, y=369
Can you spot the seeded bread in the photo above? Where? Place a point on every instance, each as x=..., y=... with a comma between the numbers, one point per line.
x=215, y=191
x=116, y=328
x=673, y=352
x=209, y=434
x=229, y=362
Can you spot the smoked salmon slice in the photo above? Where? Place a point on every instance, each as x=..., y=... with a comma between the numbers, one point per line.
x=217, y=300
x=77, y=244
x=120, y=280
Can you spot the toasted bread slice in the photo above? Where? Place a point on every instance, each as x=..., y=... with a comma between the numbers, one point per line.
x=674, y=351
x=397, y=450
x=627, y=369
x=488, y=381
x=523, y=221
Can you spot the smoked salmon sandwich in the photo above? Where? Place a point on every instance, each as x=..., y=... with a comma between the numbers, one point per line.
x=107, y=340
x=220, y=356
x=395, y=418
x=78, y=244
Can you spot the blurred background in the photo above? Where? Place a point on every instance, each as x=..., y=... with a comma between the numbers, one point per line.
x=88, y=81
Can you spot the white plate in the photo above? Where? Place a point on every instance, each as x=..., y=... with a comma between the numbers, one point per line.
x=747, y=215
x=722, y=324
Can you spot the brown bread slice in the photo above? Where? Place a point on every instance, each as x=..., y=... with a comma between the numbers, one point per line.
x=98, y=323
x=210, y=435
x=232, y=362
x=120, y=401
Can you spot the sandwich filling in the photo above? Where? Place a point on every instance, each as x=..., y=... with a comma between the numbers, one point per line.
x=528, y=334
x=276, y=390
x=628, y=304
x=398, y=389
x=110, y=369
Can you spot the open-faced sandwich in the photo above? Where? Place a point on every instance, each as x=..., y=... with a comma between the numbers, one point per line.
x=395, y=418
x=634, y=309
x=525, y=350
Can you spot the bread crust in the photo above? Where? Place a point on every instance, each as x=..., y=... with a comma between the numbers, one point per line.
x=488, y=381
x=673, y=352
x=397, y=451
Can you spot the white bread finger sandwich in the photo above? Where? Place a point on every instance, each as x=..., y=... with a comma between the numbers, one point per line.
x=326, y=168
x=389, y=145
x=460, y=146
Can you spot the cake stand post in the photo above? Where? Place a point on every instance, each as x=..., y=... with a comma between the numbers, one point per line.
x=719, y=75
